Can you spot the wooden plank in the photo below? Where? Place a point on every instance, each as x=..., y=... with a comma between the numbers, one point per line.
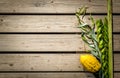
x=46, y=75
x=41, y=42
x=40, y=62
x=117, y=75
x=55, y=6
x=50, y=75
x=51, y=6
x=56, y=42
x=116, y=40
x=52, y=23
x=116, y=23
x=116, y=62
x=116, y=5
x=45, y=23
x=45, y=62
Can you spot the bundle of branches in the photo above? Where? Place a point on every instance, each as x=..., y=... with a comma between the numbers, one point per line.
x=98, y=43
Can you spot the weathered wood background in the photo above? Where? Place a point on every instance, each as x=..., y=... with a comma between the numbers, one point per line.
x=40, y=38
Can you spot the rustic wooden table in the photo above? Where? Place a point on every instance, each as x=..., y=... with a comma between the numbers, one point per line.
x=40, y=38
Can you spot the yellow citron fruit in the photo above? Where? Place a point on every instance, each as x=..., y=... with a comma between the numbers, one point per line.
x=90, y=63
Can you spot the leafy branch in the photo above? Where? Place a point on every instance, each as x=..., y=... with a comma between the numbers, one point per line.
x=88, y=32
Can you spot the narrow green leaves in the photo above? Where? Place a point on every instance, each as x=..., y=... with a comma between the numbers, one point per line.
x=88, y=32
x=102, y=37
x=98, y=43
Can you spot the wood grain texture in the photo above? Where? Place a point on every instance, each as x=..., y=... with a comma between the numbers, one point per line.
x=40, y=62
x=45, y=23
x=52, y=23
x=117, y=75
x=45, y=62
x=116, y=5
x=55, y=6
x=116, y=44
x=46, y=75
x=116, y=62
x=116, y=23
x=50, y=75
x=51, y=6
x=55, y=42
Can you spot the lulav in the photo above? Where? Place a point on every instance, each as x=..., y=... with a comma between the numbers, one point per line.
x=99, y=44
